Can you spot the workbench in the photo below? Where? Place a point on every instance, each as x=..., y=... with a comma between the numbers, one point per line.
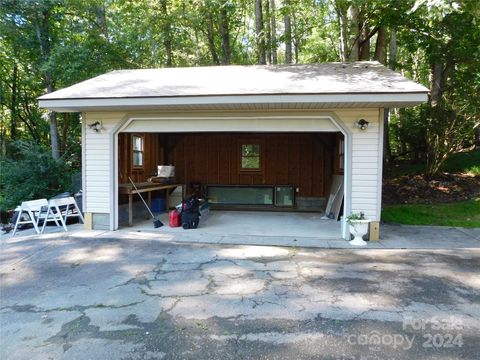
x=143, y=187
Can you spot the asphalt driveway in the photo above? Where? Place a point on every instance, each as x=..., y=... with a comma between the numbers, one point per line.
x=138, y=298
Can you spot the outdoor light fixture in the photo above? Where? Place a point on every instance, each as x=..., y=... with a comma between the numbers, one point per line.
x=362, y=124
x=96, y=126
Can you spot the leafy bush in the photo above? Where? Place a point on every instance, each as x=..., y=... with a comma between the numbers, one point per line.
x=32, y=173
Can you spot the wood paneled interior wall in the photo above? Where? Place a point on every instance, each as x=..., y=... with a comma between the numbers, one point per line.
x=152, y=156
x=305, y=160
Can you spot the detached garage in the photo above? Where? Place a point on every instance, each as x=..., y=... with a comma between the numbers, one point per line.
x=257, y=138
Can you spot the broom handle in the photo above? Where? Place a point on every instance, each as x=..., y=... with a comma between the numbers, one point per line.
x=141, y=197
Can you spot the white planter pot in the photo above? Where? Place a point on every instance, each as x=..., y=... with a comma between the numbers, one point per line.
x=358, y=229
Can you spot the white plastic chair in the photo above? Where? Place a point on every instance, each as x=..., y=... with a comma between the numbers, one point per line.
x=33, y=208
x=55, y=214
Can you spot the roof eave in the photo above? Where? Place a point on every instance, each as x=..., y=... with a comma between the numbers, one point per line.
x=404, y=99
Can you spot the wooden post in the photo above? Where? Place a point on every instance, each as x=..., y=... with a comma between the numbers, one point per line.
x=149, y=202
x=130, y=209
x=167, y=206
x=374, y=231
x=88, y=224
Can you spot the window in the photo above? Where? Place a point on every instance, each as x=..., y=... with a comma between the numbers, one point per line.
x=137, y=151
x=341, y=154
x=251, y=157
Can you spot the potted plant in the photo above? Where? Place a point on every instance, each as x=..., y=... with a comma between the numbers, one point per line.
x=358, y=228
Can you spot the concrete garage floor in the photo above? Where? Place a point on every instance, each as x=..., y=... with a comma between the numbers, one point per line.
x=98, y=297
x=266, y=223
x=260, y=227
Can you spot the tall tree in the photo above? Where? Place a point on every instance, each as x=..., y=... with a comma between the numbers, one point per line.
x=268, y=32
x=225, y=35
x=42, y=22
x=273, y=31
x=380, y=45
x=167, y=33
x=287, y=35
x=259, y=34
x=353, y=33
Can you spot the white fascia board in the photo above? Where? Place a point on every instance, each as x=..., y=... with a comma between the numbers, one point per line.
x=74, y=105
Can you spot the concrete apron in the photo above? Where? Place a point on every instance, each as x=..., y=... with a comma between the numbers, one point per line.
x=391, y=237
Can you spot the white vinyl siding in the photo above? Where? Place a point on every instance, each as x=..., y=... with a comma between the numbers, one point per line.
x=365, y=161
x=365, y=153
x=98, y=163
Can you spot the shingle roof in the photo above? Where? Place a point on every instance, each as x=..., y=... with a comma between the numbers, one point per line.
x=326, y=78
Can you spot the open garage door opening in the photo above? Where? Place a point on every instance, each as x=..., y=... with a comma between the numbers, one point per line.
x=256, y=183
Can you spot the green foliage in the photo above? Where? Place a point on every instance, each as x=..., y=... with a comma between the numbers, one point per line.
x=355, y=216
x=464, y=162
x=31, y=174
x=72, y=40
x=408, y=133
x=440, y=48
x=464, y=214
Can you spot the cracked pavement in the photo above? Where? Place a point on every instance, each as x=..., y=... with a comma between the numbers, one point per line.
x=143, y=299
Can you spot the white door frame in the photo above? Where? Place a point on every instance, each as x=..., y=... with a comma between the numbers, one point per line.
x=197, y=127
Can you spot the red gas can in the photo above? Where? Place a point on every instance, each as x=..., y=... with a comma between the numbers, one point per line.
x=174, y=218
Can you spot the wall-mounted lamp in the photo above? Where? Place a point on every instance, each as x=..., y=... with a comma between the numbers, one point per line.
x=362, y=124
x=96, y=126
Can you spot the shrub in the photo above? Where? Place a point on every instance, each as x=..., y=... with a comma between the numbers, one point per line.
x=30, y=174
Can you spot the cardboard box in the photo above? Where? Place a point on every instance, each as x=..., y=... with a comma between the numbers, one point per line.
x=166, y=171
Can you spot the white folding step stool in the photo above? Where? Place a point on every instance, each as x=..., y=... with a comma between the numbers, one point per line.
x=54, y=212
x=33, y=208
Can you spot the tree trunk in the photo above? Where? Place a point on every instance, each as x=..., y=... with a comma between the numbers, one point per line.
x=364, y=41
x=101, y=20
x=353, y=34
x=3, y=139
x=167, y=34
x=225, y=35
x=211, y=39
x=436, y=86
x=66, y=124
x=288, y=35
x=268, y=32
x=197, y=47
x=52, y=119
x=476, y=137
x=380, y=46
x=380, y=57
x=343, y=35
x=13, y=104
x=296, y=40
x=392, y=59
x=273, y=26
x=43, y=37
x=261, y=58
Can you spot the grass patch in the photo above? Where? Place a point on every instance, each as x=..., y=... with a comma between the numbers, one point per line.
x=463, y=214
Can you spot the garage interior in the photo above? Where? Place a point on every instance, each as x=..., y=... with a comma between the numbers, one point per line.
x=254, y=182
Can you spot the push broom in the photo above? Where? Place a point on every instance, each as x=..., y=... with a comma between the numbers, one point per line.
x=156, y=223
